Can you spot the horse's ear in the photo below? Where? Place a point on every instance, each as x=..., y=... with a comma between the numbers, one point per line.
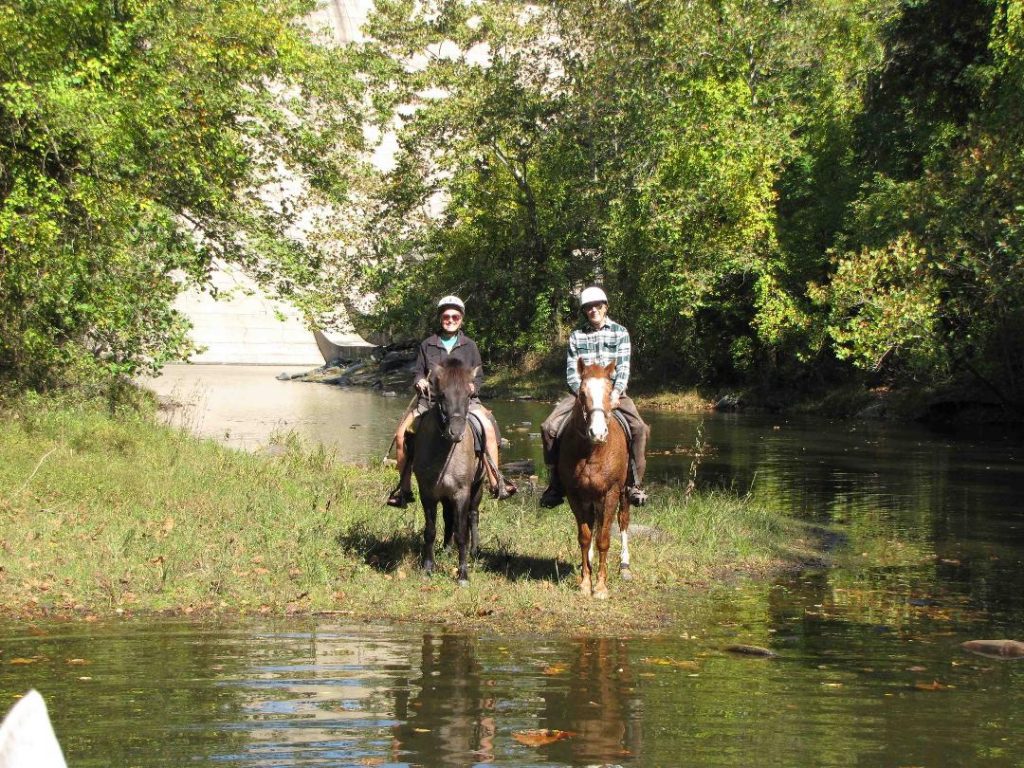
x=609, y=369
x=475, y=372
x=580, y=366
x=435, y=373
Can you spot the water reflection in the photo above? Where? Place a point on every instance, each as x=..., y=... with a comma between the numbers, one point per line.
x=930, y=552
x=849, y=686
x=594, y=698
x=447, y=712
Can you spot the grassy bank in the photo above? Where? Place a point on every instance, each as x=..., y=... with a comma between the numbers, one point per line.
x=102, y=516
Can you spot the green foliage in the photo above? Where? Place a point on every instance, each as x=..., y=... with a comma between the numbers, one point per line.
x=928, y=277
x=639, y=146
x=135, y=140
x=770, y=192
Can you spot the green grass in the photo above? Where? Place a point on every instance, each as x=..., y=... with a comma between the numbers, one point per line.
x=103, y=515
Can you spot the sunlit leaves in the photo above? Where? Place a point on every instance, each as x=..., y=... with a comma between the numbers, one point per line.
x=136, y=141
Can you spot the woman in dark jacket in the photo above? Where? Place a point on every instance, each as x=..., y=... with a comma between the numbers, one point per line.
x=450, y=342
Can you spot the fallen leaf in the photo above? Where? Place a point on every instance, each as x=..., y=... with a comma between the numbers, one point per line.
x=541, y=736
x=934, y=685
x=555, y=669
x=78, y=662
x=20, y=660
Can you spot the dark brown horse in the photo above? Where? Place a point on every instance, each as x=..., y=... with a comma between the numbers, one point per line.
x=446, y=466
x=593, y=464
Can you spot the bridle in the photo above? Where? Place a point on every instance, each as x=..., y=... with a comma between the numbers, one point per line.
x=587, y=413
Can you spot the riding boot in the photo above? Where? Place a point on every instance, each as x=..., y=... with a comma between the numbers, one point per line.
x=554, y=494
x=402, y=495
x=637, y=495
x=503, y=489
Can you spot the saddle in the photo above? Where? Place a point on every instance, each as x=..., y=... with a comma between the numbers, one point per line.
x=476, y=426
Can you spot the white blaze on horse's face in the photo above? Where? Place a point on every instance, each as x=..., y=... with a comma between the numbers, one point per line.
x=597, y=421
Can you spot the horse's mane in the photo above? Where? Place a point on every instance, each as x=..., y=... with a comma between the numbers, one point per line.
x=454, y=370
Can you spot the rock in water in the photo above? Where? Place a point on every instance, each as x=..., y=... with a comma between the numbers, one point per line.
x=1002, y=649
x=27, y=739
x=752, y=650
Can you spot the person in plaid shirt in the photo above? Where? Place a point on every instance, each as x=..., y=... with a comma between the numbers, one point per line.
x=598, y=340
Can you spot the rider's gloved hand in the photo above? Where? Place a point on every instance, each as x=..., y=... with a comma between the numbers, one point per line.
x=615, y=398
x=423, y=387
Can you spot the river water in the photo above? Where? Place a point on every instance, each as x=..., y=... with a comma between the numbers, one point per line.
x=868, y=672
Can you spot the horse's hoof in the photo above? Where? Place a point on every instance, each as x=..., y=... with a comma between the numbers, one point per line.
x=600, y=594
x=624, y=573
x=463, y=582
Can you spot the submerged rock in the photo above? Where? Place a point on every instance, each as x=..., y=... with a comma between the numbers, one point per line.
x=752, y=650
x=728, y=403
x=1002, y=649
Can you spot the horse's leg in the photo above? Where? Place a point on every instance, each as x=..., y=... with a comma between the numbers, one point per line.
x=461, y=512
x=624, y=571
x=476, y=494
x=429, y=532
x=605, y=510
x=584, y=534
x=449, y=525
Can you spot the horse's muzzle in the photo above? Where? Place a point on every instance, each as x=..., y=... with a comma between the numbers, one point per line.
x=455, y=431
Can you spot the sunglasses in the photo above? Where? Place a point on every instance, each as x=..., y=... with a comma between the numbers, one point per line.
x=450, y=316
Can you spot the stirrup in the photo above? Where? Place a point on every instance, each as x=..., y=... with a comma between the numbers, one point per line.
x=399, y=498
x=637, y=496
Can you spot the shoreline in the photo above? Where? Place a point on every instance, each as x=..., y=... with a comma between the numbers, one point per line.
x=116, y=517
x=953, y=407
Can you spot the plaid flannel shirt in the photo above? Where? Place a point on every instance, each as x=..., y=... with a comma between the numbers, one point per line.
x=609, y=342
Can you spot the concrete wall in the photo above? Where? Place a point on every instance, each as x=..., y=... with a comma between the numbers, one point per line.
x=247, y=327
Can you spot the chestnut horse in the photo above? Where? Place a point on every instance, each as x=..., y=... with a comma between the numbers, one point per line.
x=593, y=464
x=446, y=465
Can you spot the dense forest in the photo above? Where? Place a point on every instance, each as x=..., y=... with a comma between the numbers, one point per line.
x=775, y=193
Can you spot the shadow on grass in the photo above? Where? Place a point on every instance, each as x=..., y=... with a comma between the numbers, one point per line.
x=385, y=555
x=515, y=567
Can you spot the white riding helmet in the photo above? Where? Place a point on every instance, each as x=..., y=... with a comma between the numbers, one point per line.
x=451, y=301
x=592, y=295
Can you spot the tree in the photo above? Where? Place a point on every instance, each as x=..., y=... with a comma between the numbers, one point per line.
x=927, y=285
x=140, y=140
x=639, y=144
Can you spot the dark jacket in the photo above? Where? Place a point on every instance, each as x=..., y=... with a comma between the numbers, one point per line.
x=432, y=353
